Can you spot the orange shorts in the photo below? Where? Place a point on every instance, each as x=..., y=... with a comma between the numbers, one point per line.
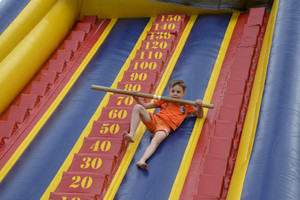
x=157, y=124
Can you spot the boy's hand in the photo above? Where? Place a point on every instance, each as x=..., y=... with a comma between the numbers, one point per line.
x=199, y=102
x=135, y=97
x=199, y=113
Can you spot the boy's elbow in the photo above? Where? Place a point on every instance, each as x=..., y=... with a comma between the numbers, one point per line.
x=199, y=116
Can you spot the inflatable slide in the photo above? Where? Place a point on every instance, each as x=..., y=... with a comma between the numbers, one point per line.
x=60, y=139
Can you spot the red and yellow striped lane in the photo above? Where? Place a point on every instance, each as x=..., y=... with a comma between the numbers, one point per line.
x=112, y=190
x=86, y=132
x=189, y=152
x=65, y=91
x=249, y=130
x=157, y=34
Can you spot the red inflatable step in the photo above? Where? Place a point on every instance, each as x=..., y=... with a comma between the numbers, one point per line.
x=250, y=36
x=225, y=129
x=215, y=165
x=56, y=65
x=236, y=87
x=234, y=100
x=82, y=182
x=77, y=196
x=65, y=55
x=48, y=76
x=147, y=65
x=83, y=26
x=173, y=17
x=90, y=19
x=160, y=45
x=229, y=113
x=136, y=86
x=210, y=186
x=72, y=45
x=256, y=16
x=7, y=128
x=238, y=73
x=103, y=146
x=17, y=114
x=119, y=100
x=157, y=36
x=77, y=35
x=140, y=76
x=109, y=129
x=174, y=27
x=120, y=114
x=27, y=100
x=243, y=61
x=94, y=163
x=35, y=87
x=152, y=54
x=220, y=146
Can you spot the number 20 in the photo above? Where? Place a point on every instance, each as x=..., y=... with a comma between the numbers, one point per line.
x=85, y=182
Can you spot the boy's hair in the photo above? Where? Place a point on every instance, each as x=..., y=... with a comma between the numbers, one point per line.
x=181, y=83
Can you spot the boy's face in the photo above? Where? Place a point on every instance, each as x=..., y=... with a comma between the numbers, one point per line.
x=176, y=92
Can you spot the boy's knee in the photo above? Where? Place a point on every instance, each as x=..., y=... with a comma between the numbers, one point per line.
x=138, y=107
x=159, y=137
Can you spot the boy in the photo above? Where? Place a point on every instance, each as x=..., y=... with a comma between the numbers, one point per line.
x=166, y=120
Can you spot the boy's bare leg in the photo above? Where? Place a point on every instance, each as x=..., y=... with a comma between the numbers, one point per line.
x=138, y=112
x=155, y=142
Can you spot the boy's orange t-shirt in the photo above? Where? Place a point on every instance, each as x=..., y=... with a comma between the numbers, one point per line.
x=173, y=113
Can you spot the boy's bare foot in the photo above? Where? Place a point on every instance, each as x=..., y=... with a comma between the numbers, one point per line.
x=128, y=137
x=142, y=165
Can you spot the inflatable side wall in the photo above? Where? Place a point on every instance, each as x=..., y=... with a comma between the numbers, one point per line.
x=19, y=66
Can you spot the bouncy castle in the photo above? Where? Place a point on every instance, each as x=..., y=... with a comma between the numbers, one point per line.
x=62, y=140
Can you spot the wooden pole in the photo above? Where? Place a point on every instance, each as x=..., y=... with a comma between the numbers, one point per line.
x=149, y=96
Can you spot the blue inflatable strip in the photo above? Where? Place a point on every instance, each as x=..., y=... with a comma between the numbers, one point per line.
x=194, y=66
x=9, y=10
x=273, y=171
x=35, y=169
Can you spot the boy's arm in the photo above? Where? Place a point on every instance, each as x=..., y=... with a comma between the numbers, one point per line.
x=144, y=104
x=199, y=111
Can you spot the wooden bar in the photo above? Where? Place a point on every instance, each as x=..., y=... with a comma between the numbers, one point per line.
x=149, y=96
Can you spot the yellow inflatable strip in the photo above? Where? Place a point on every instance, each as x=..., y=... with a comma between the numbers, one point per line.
x=114, y=186
x=26, y=58
x=56, y=180
x=249, y=130
x=30, y=16
x=189, y=152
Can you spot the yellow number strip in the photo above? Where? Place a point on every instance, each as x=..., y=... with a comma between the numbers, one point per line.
x=79, y=142
x=114, y=186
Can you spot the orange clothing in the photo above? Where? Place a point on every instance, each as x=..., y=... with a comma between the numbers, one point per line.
x=173, y=113
x=157, y=124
